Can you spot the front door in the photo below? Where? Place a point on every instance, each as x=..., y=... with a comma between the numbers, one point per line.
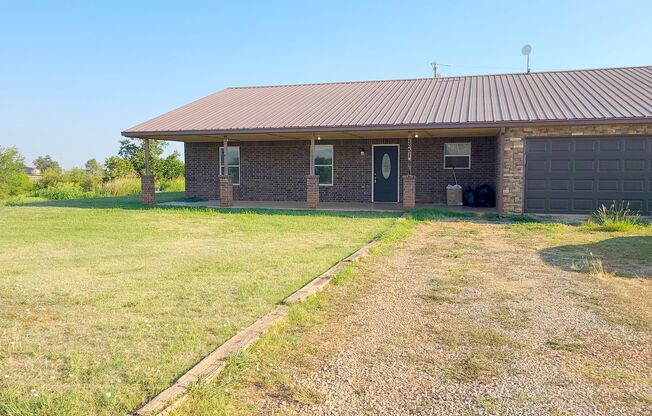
x=385, y=173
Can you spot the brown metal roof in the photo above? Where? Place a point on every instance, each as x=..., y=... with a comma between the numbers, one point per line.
x=596, y=95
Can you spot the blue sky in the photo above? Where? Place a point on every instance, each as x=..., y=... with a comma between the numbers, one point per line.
x=75, y=74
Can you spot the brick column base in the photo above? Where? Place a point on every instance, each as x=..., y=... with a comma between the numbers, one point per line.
x=147, y=189
x=409, y=192
x=312, y=191
x=226, y=191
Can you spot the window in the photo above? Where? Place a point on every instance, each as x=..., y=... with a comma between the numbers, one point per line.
x=234, y=163
x=457, y=155
x=324, y=163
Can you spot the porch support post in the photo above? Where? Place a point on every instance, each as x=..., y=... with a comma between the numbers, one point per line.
x=226, y=185
x=312, y=180
x=409, y=180
x=147, y=179
x=511, y=171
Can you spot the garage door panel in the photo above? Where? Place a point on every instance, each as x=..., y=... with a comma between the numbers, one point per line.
x=610, y=145
x=608, y=165
x=636, y=145
x=561, y=146
x=636, y=204
x=633, y=185
x=587, y=145
x=584, y=165
x=581, y=185
x=535, y=184
x=557, y=204
x=538, y=146
x=583, y=205
x=636, y=165
x=560, y=165
x=577, y=175
x=535, y=204
x=537, y=166
x=608, y=185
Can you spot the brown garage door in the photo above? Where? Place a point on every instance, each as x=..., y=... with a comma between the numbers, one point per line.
x=577, y=175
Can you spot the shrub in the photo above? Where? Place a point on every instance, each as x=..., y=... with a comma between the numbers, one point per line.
x=128, y=185
x=617, y=217
x=63, y=190
x=13, y=181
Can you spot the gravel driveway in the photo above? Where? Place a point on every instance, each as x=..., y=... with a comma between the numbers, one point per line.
x=466, y=318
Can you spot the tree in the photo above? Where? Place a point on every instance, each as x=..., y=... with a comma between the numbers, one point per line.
x=134, y=151
x=13, y=180
x=46, y=162
x=117, y=167
x=93, y=167
x=171, y=167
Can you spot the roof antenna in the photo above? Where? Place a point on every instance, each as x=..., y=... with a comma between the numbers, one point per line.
x=435, y=69
x=526, y=50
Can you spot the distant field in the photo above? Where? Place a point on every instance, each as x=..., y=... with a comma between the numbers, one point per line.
x=103, y=302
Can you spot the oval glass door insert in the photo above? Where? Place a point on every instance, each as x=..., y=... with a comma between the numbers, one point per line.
x=386, y=166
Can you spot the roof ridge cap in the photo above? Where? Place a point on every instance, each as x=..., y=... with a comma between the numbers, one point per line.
x=451, y=77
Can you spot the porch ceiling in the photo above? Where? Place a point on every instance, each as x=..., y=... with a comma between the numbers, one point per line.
x=328, y=135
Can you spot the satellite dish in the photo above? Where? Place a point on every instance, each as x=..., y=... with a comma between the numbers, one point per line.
x=525, y=50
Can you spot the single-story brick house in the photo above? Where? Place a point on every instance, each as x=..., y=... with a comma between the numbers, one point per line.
x=549, y=142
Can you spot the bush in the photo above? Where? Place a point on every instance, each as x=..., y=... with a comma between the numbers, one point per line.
x=618, y=217
x=63, y=190
x=13, y=181
x=128, y=185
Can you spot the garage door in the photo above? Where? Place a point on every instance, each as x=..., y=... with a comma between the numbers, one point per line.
x=577, y=175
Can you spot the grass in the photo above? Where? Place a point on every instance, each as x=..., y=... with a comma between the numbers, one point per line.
x=558, y=345
x=103, y=302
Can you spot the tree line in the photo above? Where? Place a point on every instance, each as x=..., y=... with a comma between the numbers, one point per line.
x=118, y=175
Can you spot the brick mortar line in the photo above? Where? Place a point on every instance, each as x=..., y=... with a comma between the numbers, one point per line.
x=213, y=364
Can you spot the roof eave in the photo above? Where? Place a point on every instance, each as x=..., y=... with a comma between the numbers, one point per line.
x=314, y=129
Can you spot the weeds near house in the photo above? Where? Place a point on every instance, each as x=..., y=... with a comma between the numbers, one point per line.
x=591, y=265
x=616, y=217
x=127, y=185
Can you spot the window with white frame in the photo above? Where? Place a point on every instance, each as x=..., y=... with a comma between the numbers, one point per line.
x=234, y=163
x=324, y=163
x=457, y=156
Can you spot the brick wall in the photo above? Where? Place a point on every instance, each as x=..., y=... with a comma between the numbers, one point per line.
x=202, y=170
x=276, y=171
x=511, y=155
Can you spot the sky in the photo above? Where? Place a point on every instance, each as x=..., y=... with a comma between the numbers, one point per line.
x=74, y=74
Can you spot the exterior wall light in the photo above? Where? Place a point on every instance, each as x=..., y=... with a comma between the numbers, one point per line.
x=361, y=151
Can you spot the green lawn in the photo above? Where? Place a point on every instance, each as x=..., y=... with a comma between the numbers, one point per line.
x=103, y=303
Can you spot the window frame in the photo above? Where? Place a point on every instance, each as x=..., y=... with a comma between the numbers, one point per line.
x=332, y=164
x=447, y=156
x=221, y=165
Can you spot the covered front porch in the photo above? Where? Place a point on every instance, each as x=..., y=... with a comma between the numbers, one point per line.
x=381, y=170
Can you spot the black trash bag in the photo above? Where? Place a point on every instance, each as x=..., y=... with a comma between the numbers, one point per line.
x=485, y=196
x=468, y=197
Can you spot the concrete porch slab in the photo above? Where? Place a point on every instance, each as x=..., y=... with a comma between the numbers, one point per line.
x=323, y=206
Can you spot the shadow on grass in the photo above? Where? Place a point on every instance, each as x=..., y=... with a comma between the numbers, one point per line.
x=622, y=256
x=133, y=203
